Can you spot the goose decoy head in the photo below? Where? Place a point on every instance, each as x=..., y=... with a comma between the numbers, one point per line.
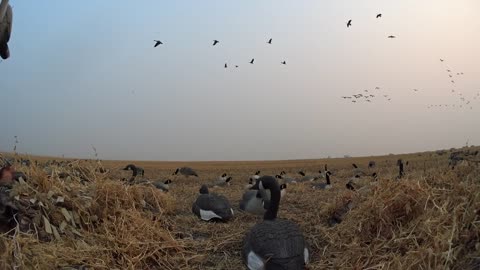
x=129, y=167
x=224, y=175
x=257, y=173
x=204, y=189
x=301, y=173
x=278, y=176
x=168, y=181
x=283, y=173
x=355, y=166
x=228, y=179
x=176, y=171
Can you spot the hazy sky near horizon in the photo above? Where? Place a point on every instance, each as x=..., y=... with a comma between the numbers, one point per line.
x=85, y=73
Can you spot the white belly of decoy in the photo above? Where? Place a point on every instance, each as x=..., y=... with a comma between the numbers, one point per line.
x=254, y=262
x=207, y=215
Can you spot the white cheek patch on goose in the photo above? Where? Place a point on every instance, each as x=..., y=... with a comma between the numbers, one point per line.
x=231, y=211
x=254, y=262
x=260, y=185
x=306, y=255
x=207, y=215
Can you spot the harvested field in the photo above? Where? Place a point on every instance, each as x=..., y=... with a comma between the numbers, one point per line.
x=429, y=219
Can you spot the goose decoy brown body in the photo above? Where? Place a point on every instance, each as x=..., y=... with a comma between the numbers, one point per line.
x=326, y=185
x=274, y=243
x=210, y=206
x=185, y=171
x=6, y=18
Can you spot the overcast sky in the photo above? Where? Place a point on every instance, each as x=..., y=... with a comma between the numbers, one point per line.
x=85, y=73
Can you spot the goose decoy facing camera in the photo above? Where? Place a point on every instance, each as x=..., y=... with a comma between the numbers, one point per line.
x=185, y=171
x=210, y=206
x=371, y=164
x=215, y=42
x=6, y=17
x=136, y=170
x=253, y=202
x=401, y=172
x=274, y=243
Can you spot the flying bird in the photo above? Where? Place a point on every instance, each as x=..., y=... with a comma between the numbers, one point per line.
x=236, y=66
x=284, y=62
x=253, y=59
x=392, y=37
x=379, y=15
x=377, y=88
x=349, y=23
x=441, y=60
x=215, y=42
x=157, y=42
x=416, y=90
x=269, y=41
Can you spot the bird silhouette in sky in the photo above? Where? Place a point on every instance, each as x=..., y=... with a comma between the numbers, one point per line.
x=269, y=41
x=392, y=36
x=379, y=15
x=251, y=62
x=215, y=42
x=349, y=23
x=157, y=43
x=284, y=62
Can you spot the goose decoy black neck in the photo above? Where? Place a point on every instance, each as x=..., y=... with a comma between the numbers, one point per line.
x=355, y=166
x=327, y=176
x=176, y=172
x=301, y=173
x=268, y=182
x=204, y=189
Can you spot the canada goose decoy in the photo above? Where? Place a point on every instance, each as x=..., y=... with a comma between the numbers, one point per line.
x=372, y=164
x=257, y=201
x=251, y=62
x=284, y=62
x=6, y=17
x=136, y=171
x=210, y=206
x=274, y=243
x=165, y=186
x=255, y=176
x=157, y=43
x=326, y=185
x=215, y=42
x=269, y=41
x=379, y=15
x=222, y=183
x=391, y=36
x=185, y=171
x=357, y=170
x=349, y=23
x=306, y=178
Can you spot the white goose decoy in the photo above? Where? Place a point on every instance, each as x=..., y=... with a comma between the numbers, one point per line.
x=210, y=206
x=274, y=243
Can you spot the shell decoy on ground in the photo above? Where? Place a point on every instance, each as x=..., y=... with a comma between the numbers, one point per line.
x=274, y=243
x=185, y=171
x=210, y=206
x=136, y=171
x=222, y=182
x=165, y=185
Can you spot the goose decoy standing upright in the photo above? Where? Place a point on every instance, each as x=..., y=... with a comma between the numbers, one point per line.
x=210, y=206
x=185, y=171
x=392, y=36
x=326, y=185
x=274, y=243
x=401, y=172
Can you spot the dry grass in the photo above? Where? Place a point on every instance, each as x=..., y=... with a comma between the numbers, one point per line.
x=428, y=220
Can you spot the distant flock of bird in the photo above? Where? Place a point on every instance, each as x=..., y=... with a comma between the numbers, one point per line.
x=272, y=243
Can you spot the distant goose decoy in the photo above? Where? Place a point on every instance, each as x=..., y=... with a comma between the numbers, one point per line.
x=326, y=185
x=285, y=179
x=257, y=201
x=306, y=178
x=185, y=171
x=157, y=43
x=274, y=243
x=210, y=206
x=165, y=186
x=222, y=183
x=136, y=171
x=215, y=42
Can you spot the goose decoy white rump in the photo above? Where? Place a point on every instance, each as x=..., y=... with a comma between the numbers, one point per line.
x=210, y=206
x=135, y=170
x=274, y=243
